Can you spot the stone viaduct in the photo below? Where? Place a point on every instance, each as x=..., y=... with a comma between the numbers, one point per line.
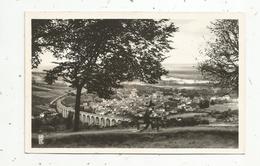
x=89, y=118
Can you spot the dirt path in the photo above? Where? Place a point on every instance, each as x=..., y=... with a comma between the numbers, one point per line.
x=134, y=131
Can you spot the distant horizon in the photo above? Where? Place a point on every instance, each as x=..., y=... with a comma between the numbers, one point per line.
x=167, y=66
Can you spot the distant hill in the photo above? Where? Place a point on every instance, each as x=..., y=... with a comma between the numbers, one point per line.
x=177, y=67
x=183, y=71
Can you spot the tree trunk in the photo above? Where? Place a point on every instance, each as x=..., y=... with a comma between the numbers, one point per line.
x=77, y=109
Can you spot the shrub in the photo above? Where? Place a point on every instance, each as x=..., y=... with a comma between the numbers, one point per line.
x=212, y=102
x=36, y=124
x=189, y=122
x=181, y=122
x=204, y=104
x=203, y=121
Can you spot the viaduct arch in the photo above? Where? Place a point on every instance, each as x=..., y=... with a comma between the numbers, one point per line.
x=89, y=118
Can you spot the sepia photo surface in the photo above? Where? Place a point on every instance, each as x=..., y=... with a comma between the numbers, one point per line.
x=134, y=82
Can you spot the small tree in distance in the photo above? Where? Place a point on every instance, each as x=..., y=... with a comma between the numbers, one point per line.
x=221, y=66
x=99, y=54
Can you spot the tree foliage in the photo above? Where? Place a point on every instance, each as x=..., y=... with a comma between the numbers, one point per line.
x=102, y=53
x=41, y=31
x=99, y=54
x=222, y=52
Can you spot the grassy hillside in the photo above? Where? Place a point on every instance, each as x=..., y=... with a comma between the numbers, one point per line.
x=43, y=94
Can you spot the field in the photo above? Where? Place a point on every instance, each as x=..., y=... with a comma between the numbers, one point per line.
x=43, y=94
x=184, y=137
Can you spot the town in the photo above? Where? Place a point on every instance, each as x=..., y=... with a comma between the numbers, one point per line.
x=178, y=107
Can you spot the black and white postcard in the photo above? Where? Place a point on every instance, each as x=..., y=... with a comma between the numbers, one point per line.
x=134, y=82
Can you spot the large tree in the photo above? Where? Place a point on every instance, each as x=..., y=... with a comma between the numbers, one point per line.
x=40, y=30
x=99, y=54
x=222, y=55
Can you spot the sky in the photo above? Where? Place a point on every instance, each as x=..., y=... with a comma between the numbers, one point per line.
x=187, y=43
